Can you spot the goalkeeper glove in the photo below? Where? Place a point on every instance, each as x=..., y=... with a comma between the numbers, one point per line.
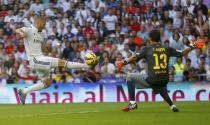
x=120, y=64
x=199, y=43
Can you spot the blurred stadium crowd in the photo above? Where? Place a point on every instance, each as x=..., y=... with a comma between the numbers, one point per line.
x=113, y=29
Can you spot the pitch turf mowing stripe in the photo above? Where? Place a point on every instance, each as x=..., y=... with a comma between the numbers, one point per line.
x=50, y=114
x=192, y=113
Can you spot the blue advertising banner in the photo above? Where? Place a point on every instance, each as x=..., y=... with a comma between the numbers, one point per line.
x=102, y=92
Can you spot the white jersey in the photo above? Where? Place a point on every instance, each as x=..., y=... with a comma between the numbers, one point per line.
x=32, y=41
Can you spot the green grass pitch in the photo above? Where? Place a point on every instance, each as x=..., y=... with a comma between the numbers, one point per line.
x=192, y=113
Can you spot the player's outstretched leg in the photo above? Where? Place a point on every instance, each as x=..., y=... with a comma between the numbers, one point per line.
x=131, y=90
x=50, y=63
x=165, y=96
x=55, y=62
x=39, y=86
x=133, y=80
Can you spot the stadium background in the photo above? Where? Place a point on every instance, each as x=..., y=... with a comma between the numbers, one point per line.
x=111, y=29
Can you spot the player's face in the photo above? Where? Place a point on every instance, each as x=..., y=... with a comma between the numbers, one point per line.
x=40, y=24
x=149, y=41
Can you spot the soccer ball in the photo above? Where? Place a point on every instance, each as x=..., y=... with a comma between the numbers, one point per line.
x=90, y=58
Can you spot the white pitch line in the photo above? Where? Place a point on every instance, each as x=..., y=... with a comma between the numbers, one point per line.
x=52, y=114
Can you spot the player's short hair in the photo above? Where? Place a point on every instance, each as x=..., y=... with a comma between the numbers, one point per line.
x=40, y=18
x=154, y=35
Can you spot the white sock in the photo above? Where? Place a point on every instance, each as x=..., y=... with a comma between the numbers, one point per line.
x=132, y=102
x=75, y=65
x=34, y=87
x=173, y=106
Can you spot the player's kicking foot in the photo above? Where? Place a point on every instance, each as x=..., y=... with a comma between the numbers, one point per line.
x=174, y=108
x=130, y=107
x=22, y=96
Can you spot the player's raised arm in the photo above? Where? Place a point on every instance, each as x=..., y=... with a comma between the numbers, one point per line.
x=195, y=45
x=198, y=44
x=20, y=32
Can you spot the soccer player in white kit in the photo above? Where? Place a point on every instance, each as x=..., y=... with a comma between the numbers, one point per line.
x=33, y=39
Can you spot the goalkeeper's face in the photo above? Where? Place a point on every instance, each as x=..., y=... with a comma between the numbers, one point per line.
x=40, y=23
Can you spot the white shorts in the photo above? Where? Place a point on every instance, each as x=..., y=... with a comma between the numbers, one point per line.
x=42, y=65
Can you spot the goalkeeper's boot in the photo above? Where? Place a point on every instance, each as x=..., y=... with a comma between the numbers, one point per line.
x=174, y=108
x=22, y=96
x=130, y=107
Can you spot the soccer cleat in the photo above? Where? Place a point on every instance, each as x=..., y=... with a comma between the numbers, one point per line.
x=174, y=108
x=22, y=96
x=130, y=107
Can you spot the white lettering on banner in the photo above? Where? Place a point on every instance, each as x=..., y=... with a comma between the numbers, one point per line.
x=74, y=93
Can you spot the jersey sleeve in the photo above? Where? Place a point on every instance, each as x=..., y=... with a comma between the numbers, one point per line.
x=173, y=52
x=141, y=54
